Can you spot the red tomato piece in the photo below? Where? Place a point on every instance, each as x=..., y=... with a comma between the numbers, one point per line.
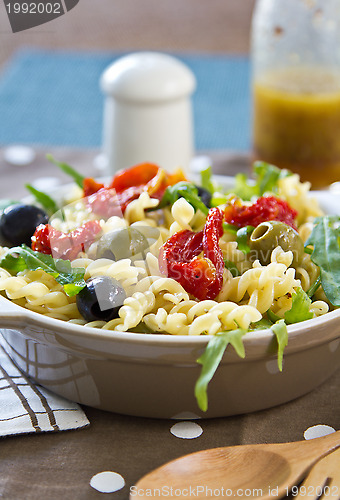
x=49, y=240
x=213, y=230
x=179, y=258
x=180, y=248
x=91, y=186
x=126, y=186
x=196, y=277
x=134, y=176
x=264, y=209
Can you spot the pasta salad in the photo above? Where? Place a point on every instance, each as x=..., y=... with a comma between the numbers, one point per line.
x=153, y=252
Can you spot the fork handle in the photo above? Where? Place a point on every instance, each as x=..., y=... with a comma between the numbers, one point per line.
x=326, y=472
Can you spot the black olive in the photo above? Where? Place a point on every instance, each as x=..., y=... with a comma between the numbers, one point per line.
x=205, y=196
x=101, y=299
x=18, y=223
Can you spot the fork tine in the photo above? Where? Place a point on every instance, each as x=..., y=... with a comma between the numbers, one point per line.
x=326, y=472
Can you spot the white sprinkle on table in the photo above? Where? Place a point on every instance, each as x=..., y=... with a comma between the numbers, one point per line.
x=186, y=430
x=317, y=431
x=107, y=482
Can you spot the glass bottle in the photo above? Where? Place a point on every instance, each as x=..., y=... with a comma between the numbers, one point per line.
x=296, y=87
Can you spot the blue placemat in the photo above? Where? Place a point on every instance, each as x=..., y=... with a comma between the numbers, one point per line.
x=53, y=98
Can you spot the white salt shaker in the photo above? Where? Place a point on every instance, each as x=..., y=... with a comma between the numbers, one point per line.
x=148, y=112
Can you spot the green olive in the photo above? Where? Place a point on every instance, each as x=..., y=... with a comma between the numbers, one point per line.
x=270, y=234
x=122, y=244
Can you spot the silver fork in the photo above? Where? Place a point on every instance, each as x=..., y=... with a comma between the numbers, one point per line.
x=323, y=480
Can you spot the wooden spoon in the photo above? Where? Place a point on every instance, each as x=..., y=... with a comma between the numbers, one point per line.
x=249, y=471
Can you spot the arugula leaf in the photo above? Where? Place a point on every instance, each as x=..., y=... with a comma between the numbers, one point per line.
x=141, y=328
x=186, y=190
x=313, y=288
x=300, y=308
x=219, y=199
x=268, y=176
x=20, y=258
x=206, y=180
x=298, y=312
x=44, y=199
x=272, y=316
x=243, y=189
x=280, y=331
x=262, y=324
x=229, y=228
x=266, y=180
x=67, y=169
x=242, y=238
x=211, y=358
x=326, y=254
x=231, y=266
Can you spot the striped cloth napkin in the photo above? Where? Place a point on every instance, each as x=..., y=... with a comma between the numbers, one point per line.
x=27, y=408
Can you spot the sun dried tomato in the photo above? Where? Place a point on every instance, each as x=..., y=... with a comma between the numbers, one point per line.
x=179, y=258
x=91, y=186
x=49, y=240
x=264, y=209
x=180, y=249
x=139, y=175
x=213, y=230
x=127, y=186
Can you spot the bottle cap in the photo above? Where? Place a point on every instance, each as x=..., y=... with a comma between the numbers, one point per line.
x=147, y=77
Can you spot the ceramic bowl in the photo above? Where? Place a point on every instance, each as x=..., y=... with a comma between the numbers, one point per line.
x=154, y=375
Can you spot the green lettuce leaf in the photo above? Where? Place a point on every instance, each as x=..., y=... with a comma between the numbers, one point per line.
x=325, y=239
x=211, y=358
x=20, y=258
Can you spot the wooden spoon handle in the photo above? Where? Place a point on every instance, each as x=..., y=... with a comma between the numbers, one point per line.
x=311, y=449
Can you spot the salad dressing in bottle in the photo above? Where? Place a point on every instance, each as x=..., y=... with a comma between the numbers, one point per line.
x=296, y=87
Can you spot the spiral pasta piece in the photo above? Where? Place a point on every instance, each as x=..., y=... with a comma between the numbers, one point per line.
x=182, y=213
x=135, y=211
x=206, y=317
x=122, y=270
x=132, y=311
x=296, y=193
x=17, y=287
x=260, y=285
